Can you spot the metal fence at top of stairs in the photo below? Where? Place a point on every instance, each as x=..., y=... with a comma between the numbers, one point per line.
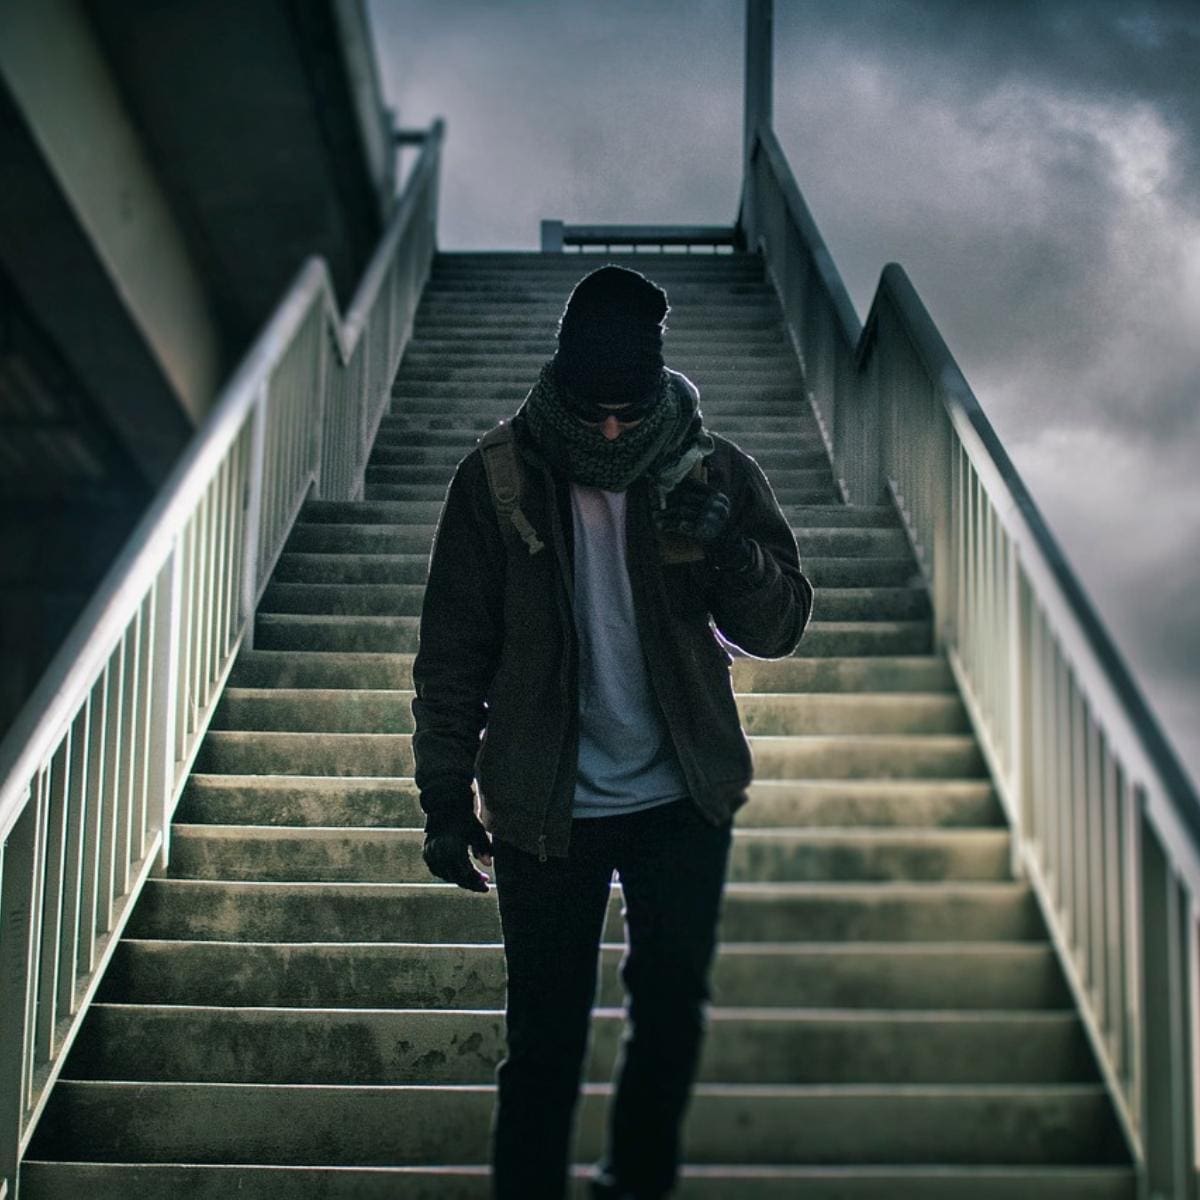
x=92, y=769
x=1105, y=822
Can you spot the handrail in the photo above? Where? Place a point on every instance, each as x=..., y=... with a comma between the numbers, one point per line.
x=93, y=766
x=1105, y=821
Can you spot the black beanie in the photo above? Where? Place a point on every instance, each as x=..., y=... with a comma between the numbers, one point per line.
x=610, y=336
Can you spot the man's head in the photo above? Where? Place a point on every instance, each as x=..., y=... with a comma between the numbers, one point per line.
x=609, y=359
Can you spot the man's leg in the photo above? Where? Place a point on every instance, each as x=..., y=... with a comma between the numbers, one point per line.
x=672, y=870
x=552, y=914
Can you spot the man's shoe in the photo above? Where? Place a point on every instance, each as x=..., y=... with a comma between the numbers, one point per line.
x=604, y=1187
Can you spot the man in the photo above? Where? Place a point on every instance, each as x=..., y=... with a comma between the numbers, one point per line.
x=577, y=635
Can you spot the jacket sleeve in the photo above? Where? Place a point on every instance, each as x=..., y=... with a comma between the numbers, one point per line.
x=765, y=609
x=461, y=632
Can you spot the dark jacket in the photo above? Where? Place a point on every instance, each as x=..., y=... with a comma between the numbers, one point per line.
x=498, y=650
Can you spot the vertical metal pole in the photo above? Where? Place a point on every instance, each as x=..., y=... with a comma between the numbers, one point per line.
x=254, y=510
x=17, y=890
x=1166, y=1044
x=160, y=785
x=757, y=114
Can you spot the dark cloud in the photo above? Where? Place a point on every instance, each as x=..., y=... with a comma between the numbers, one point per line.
x=1034, y=164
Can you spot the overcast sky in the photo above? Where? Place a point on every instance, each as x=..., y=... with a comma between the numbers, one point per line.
x=1035, y=166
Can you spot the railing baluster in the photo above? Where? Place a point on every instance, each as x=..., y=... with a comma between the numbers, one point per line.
x=17, y=871
x=53, y=877
x=28, y=1011
x=123, y=818
x=77, y=793
x=89, y=903
x=110, y=793
x=1167, y=933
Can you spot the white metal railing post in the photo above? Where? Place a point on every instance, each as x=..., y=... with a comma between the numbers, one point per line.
x=161, y=784
x=1020, y=716
x=323, y=415
x=16, y=979
x=756, y=113
x=1167, y=953
x=254, y=509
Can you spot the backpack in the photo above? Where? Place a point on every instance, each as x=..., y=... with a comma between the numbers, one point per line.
x=505, y=478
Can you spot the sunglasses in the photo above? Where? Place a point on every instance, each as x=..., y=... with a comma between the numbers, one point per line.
x=593, y=413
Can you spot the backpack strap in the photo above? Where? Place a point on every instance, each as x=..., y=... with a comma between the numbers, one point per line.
x=505, y=482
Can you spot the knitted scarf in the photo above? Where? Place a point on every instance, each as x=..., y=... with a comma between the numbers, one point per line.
x=664, y=446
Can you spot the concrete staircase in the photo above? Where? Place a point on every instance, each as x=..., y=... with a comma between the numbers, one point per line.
x=298, y=1011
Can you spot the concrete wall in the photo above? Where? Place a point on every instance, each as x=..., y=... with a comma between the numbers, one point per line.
x=55, y=72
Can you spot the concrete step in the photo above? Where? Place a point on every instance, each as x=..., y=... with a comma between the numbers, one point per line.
x=789, y=714
x=283, y=800
x=864, y=756
x=748, y=395
x=311, y=631
x=844, y=673
x=425, y=364
x=823, y=491
x=516, y=287
x=345, y=669
x=358, y=633
x=200, y=1181
x=732, y=338
x=261, y=799
x=208, y=910
x=278, y=753
x=705, y=310
x=352, y=568
x=365, y=1125
x=815, y=483
x=343, y=599
x=161, y=1043
x=827, y=571
x=471, y=423
x=897, y=976
x=871, y=603
x=372, y=854
x=382, y=599
x=377, y=710
x=744, y=406
x=426, y=512
x=842, y=638
x=315, y=710
x=663, y=267
x=304, y=631
x=880, y=803
x=335, y=669
x=395, y=450
x=321, y=537
x=721, y=319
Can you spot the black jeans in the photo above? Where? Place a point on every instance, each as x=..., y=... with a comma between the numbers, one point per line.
x=672, y=862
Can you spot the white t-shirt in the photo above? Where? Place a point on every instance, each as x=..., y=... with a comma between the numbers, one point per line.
x=626, y=759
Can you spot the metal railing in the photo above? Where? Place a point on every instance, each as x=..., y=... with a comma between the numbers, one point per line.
x=1106, y=824
x=557, y=236
x=94, y=765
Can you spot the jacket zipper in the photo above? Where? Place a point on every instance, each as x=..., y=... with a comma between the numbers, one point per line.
x=542, y=844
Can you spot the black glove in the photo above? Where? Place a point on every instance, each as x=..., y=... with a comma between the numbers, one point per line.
x=697, y=510
x=449, y=835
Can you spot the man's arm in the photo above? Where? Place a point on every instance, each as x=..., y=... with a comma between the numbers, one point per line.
x=460, y=638
x=763, y=604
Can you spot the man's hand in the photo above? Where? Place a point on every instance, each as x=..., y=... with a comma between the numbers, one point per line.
x=697, y=510
x=446, y=853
